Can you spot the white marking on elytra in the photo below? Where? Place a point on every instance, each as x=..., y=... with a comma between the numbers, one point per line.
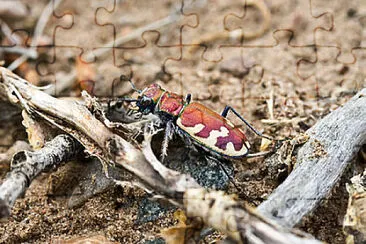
x=192, y=130
x=211, y=140
x=214, y=134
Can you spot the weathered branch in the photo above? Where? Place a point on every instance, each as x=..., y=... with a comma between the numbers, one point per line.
x=26, y=165
x=243, y=225
x=334, y=142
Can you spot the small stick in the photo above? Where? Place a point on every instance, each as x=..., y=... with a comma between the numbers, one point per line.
x=9, y=33
x=28, y=52
x=41, y=24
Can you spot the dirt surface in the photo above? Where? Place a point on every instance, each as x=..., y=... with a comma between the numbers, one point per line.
x=309, y=62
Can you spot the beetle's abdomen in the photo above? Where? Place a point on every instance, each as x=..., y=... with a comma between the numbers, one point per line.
x=171, y=103
x=213, y=131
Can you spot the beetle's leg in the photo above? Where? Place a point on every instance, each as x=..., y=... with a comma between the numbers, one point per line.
x=188, y=98
x=218, y=162
x=226, y=111
x=259, y=154
x=169, y=131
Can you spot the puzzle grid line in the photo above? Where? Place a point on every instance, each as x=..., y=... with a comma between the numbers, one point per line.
x=171, y=46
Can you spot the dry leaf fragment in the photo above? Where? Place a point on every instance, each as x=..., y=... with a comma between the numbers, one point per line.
x=265, y=143
x=85, y=76
x=36, y=134
x=177, y=233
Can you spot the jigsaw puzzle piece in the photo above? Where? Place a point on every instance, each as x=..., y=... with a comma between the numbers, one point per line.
x=284, y=54
x=350, y=77
x=57, y=66
x=301, y=18
x=128, y=21
x=229, y=28
x=57, y=63
x=79, y=25
x=149, y=50
x=344, y=37
x=113, y=76
x=252, y=23
x=340, y=51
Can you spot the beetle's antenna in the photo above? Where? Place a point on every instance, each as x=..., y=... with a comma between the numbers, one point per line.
x=127, y=99
x=125, y=78
x=134, y=87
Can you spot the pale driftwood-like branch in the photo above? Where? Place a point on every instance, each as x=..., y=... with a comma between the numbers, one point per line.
x=243, y=225
x=215, y=209
x=26, y=165
x=333, y=143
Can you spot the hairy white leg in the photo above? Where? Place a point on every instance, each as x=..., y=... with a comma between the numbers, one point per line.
x=169, y=131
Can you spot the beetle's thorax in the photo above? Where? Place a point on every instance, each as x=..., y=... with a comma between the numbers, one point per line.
x=166, y=103
x=171, y=103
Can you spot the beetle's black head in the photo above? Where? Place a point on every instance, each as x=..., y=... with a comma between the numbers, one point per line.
x=145, y=104
x=149, y=98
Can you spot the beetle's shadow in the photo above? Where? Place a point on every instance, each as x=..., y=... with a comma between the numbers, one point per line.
x=197, y=163
x=184, y=158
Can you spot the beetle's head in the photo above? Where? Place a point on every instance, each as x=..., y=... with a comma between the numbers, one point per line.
x=148, y=98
